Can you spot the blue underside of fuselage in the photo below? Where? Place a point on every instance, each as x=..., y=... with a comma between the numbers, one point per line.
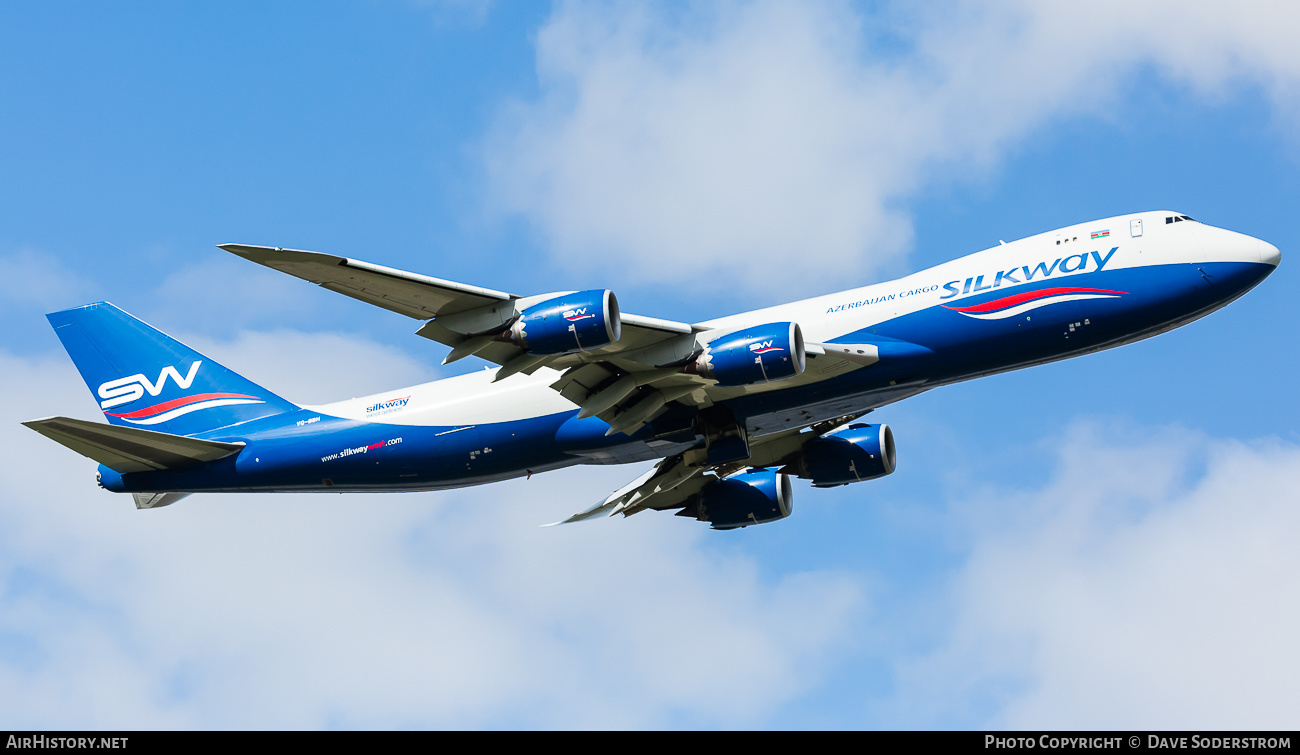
x=931, y=347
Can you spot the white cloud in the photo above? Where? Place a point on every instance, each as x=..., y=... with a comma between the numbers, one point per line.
x=774, y=145
x=1144, y=585
x=739, y=134
x=767, y=133
x=35, y=280
x=443, y=609
x=319, y=368
x=1147, y=586
x=219, y=292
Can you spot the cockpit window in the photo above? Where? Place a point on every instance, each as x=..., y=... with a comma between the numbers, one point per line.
x=1184, y=217
x=1177, y=219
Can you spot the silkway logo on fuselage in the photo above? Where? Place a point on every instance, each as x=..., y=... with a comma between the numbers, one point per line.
x=128, y=389
x=391, y=405
x=1073, y=264
x=1010, y=277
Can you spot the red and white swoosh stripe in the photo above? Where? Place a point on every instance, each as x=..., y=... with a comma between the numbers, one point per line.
x=1016, y=304
x=169, y=410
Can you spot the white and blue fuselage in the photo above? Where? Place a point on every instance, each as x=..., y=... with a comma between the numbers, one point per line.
x=1064, y=293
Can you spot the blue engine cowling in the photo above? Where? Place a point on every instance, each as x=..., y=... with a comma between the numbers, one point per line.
x=759, y=354
x=754, y=497
x=574, y=322
x=853, y=454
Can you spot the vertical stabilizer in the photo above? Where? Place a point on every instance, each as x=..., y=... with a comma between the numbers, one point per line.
x=146, y=379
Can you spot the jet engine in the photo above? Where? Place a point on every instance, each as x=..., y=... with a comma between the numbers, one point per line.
x=852, y=454
x=580, y=321
x=758, y=354
x=758, y=496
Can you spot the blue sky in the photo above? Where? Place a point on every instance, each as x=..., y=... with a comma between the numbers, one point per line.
x=1106, y=542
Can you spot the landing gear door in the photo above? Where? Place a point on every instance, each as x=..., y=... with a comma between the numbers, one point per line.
x=1135, y=227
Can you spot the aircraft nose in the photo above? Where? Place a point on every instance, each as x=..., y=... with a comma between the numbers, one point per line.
x=1231, y=246
x=1269, y=254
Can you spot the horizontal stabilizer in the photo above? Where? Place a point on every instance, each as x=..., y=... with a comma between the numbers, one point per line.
x=130, y=449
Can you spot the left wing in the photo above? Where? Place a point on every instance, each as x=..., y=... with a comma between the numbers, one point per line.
x=675, y=482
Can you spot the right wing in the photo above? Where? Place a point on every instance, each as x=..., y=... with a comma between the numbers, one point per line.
x=410, y=294
x=458, y=314
x=613, y=382
x=626, y=383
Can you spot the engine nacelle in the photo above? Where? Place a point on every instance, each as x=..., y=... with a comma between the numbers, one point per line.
x=758, y=354
x=853, y=454
x=574, y=322
x=754, y=497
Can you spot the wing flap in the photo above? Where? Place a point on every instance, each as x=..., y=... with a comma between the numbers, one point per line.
x=130, y=449
x=671, y=483
x=156, y=500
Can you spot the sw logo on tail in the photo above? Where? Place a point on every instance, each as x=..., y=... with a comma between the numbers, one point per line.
x=128, y=389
